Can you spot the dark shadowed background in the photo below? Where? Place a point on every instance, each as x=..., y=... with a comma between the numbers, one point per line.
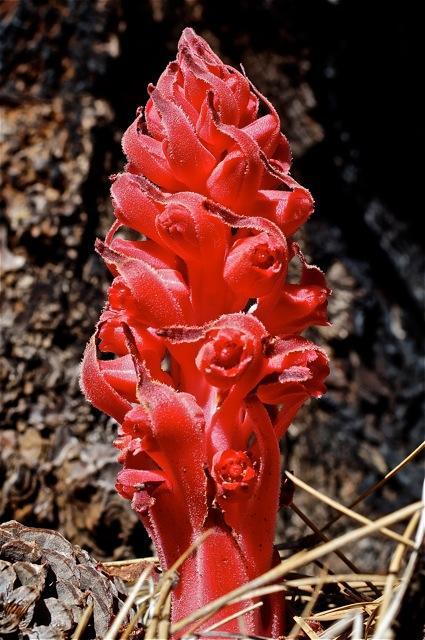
x=345, y=84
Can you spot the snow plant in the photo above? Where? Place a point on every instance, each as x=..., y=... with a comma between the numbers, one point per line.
x=209, y=366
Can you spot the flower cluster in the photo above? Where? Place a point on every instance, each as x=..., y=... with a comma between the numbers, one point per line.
x=209, y=366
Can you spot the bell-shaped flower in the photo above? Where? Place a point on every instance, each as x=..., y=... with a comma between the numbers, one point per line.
x=297, y=369
x=298, y=306
x=254, y=266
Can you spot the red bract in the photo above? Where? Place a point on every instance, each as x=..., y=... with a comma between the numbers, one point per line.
x=208, y=366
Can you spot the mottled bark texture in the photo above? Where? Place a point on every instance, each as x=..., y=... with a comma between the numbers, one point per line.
x=73, y=75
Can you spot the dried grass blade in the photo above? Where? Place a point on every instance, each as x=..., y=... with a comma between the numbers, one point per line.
x=164, y=592
x=339, y=612
x=370, y=623
x=337, y=578
x=143, y=604
x=365, y=494
x=233, y=616
x=308, y=608
x=386, y=621
x=336, y=629
x=124, y=563
x=258, y=593
x=346, y=511
x=357, y=633
x=224, y=634
x=302, y=624
x=338, y=553
x=83, y=622
x=116, y=625
x=164, y=621
x=395, y=565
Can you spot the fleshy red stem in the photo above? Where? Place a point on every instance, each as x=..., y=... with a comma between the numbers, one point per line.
x=215, y=569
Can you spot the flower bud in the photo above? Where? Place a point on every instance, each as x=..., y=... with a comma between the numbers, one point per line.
x=297, y=370
x=225, y=357
x=177, y=229
x=254, y=265
x=233, y=471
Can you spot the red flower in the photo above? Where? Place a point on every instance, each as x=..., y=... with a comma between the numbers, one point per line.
x=233, y=471
x=225, y=357
x=298, y=372
x=255, y=266
x=197, y=354
x=296, y=306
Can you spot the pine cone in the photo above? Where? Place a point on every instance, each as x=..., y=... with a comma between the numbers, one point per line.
x=46, y=583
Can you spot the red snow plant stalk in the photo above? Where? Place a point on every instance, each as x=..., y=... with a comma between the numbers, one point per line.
x=209, y=366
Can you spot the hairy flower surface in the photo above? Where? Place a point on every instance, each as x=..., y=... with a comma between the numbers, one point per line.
x=198, y=354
